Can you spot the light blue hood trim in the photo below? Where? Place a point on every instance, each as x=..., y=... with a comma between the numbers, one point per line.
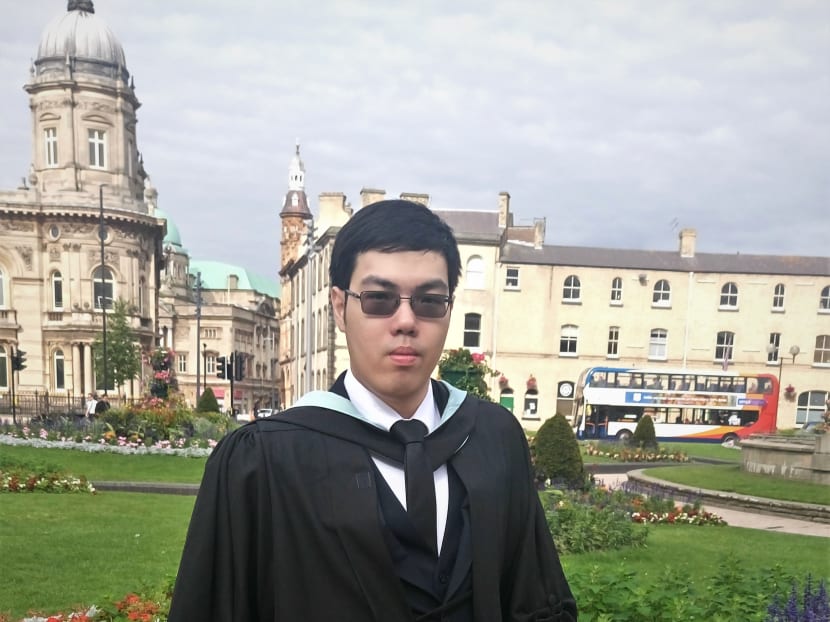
x=332, y=401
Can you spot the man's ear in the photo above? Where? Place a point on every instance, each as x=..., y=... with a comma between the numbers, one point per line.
x=338, y=307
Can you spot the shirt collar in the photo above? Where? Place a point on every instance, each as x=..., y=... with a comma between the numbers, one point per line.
x=381, y=414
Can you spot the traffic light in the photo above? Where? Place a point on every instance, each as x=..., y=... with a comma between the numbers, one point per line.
x=19, y=361
x=222, y=367
x=238, y=366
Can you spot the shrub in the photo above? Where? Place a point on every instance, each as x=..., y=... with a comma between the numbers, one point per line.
x=579, y=528
x=644, y=436
x=207, y=402
x=557, y=455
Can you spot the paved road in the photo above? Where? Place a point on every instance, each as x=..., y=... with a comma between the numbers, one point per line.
x=750, y=520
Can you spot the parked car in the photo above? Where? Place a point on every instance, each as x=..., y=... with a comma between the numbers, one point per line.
x=244, y=417
x=266, y=412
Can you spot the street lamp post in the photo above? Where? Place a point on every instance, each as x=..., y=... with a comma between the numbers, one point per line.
x=198, y=286
x=102, y=234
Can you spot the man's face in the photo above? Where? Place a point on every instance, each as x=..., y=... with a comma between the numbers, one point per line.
x=394, y=356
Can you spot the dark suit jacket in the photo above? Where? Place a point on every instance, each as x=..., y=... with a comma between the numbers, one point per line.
x=286, y=527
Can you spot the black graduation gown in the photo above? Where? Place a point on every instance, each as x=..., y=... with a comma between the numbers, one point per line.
x=286, y=527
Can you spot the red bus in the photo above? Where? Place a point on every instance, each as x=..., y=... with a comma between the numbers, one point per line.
x=687, y=405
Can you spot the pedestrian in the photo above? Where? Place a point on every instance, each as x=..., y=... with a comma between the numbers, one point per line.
x=91, y=403
x=341, y=508
x=102, y=406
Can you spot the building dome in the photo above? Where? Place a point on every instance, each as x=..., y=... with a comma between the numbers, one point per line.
x=81, y=37
x=173, y=237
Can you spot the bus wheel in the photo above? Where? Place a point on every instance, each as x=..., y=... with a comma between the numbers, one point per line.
x=730, y=439
x=624, y=436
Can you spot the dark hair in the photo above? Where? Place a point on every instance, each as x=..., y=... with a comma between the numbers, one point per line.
x=392, y=226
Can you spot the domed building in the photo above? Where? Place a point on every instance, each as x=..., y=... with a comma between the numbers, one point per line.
x=81, y=230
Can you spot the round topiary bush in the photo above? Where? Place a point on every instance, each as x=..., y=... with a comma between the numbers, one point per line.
x=644, y=436
x=557, y=455
x=207, y=402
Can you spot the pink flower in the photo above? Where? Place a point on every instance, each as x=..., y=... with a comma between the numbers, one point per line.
x=477, y=357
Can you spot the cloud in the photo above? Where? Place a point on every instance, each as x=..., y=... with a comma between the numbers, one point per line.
x=608, y=119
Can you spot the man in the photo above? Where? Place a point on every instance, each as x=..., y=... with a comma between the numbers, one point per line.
x=91, y=403
x=337, y=509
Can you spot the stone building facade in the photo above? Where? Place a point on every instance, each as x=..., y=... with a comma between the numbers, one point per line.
x=86, y=181
x=542, y=313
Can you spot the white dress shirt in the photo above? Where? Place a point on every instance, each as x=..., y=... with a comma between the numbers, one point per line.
x=378, y=412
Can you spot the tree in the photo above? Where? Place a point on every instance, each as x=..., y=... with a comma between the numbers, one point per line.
x=207, y=402
x=644, y=436
x=557, y=453
x=123, y=353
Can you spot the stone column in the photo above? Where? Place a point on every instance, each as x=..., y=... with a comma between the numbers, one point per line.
x=89, y=380
x=77, y=387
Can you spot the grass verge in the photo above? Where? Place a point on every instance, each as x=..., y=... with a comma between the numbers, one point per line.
x=103, y=466
x=730, y=478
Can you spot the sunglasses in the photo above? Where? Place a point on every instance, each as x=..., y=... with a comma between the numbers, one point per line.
x=384, y=304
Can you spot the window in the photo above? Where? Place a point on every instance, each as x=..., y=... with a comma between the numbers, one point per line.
x=511, y=280
x=824, y=301
x=141, y=285
x=662, y=294
x=778, y=297
x=97, y=148
x=616, y=291
x=568, y=340
x=614, y=342
x=811, y=406
x=475, y=273
x=102, y=287
x=724, y=345
x=570, y=291
x=210, y=364
x=209, y=333
x=657, y=344
x=50, y=135
x=57, y=291
x=60, y=380
x=729, y=296
x=472, y=330
x=181, y=363
x=822, y=354
x=773, y=347
x=4, y=368
x=2, y=284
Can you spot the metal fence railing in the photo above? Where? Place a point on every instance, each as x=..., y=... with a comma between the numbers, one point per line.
x=48, y=406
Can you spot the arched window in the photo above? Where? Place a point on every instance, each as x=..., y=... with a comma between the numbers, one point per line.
x=102, y=292
x=4, y=367
x=823, y=303
x=474, y=274
x=616, y=291
x=141, y=285
x=658, y=344
x=822, y=353
x=778, y=297
x=569, y=340
x=662, y=294
x=571, y=289
x=729, y=296
x=724, y=346
x=60, y=376
x=57, y=291
x=472, y=330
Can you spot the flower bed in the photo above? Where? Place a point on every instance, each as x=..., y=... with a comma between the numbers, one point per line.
x=22, y=480
x=631, y=454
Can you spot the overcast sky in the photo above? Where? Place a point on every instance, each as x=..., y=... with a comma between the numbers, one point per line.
x=619, y=122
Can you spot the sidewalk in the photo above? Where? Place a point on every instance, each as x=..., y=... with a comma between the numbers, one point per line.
x=736, y=518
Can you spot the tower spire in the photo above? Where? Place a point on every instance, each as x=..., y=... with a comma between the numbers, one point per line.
x=80, y=5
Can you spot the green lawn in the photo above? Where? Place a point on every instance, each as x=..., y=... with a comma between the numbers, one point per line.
x=730, y=478
x=103, y=466
x=62, y=550
x=59, y=551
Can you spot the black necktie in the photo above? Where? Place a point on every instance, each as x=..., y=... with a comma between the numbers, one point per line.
x=420, y=485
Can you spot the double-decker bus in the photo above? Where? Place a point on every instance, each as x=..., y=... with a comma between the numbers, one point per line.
x=688, y=405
